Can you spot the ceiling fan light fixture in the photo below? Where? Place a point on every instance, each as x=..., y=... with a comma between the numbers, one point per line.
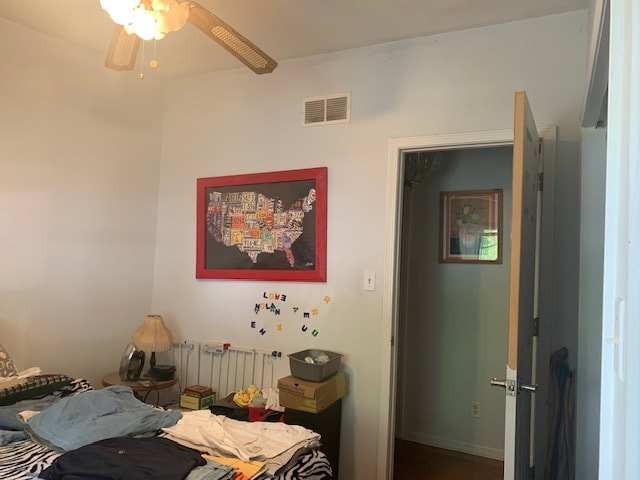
x=158, y=17
x=170, y=14
x=119, y=10
x=144, y=24
x=147, y=19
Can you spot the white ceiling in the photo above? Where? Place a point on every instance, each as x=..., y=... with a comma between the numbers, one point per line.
x=284, y=29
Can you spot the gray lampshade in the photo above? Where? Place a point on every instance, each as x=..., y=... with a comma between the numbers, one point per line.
x=153, y=335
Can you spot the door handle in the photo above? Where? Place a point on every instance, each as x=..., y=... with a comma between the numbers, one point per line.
x=528, y=388
x=508, y=385
x=511, y=388
x=499, y=383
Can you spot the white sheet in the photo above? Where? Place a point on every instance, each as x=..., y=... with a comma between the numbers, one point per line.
x=245, y=440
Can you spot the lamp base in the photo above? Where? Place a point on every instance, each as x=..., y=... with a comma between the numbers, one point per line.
x=162, y=373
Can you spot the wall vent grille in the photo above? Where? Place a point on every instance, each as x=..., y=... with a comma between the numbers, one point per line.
x=327, y=109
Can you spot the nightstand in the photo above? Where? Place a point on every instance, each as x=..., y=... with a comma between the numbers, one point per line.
x=327, y=424
x=141, y=388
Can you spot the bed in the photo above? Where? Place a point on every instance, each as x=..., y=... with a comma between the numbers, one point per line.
x=57, y=427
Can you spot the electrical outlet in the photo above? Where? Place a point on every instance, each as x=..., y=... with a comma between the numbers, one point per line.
x=475, y=409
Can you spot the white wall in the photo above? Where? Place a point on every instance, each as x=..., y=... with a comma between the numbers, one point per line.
x=590, y=332
x=236, y=122
x=620, y=367
x=79, y=166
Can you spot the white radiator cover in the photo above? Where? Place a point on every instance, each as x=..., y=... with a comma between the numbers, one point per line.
x=225, y=368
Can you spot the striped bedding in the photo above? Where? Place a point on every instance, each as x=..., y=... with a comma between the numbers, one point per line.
x=25, y=459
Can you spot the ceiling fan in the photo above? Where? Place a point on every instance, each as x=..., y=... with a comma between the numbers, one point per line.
x=152, y=19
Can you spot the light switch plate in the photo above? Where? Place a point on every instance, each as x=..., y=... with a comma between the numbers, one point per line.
x=369, y=282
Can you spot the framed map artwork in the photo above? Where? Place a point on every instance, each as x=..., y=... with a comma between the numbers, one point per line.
x=263, y=226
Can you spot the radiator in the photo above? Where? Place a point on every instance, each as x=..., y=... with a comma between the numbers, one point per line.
x=224, y=367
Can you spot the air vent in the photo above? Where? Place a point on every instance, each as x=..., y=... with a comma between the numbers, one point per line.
x=327, y=109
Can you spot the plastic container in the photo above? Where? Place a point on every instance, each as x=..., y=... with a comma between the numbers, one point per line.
x=314, y=372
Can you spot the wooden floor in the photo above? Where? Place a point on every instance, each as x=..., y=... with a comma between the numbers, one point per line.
x=422, y=462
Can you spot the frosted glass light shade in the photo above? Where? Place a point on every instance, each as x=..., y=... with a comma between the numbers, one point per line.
x=154, y=22
x=119, y=10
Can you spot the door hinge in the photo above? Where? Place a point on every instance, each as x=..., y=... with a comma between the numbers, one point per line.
x=393, y=340
x=536, y=327
x=541, y=181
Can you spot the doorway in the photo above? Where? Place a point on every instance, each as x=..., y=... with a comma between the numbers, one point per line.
x=452, y=316
x=390, y=378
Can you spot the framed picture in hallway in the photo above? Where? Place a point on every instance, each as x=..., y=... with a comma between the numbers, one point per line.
x=263, y=226
x=471, y=226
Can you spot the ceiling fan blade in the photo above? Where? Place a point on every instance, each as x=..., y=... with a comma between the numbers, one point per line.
x=235, y=43
x=123, y=50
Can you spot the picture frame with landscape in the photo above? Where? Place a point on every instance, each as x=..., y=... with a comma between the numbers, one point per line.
x=471, y=226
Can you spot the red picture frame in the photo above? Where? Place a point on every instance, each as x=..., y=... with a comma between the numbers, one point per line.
x=263, y=226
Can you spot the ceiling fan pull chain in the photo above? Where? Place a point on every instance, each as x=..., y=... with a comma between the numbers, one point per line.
x=154, y=61
x=141, y=76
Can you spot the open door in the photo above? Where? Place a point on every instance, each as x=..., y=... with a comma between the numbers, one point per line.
x=523, y=294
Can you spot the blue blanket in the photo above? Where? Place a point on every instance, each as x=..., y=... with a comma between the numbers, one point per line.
x=79, y=420
x=11, y=428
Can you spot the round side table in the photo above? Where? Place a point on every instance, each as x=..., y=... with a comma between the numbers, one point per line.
x=141, y=388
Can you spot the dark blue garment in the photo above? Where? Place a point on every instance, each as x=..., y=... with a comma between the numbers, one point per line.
x=126, y=458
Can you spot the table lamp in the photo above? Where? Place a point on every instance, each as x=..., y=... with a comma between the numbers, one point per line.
x=154, y=336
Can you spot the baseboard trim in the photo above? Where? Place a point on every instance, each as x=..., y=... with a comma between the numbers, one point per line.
x=451, y=444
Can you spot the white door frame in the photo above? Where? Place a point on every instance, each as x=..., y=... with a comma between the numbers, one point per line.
x=390, y=303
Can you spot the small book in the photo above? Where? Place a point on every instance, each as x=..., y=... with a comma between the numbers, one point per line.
x=198, y=391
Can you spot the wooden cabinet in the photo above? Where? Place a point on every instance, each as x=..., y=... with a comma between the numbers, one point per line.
x=327, y=424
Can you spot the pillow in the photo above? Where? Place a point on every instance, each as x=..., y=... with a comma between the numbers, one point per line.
x=7, y=367
x=32, y=387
